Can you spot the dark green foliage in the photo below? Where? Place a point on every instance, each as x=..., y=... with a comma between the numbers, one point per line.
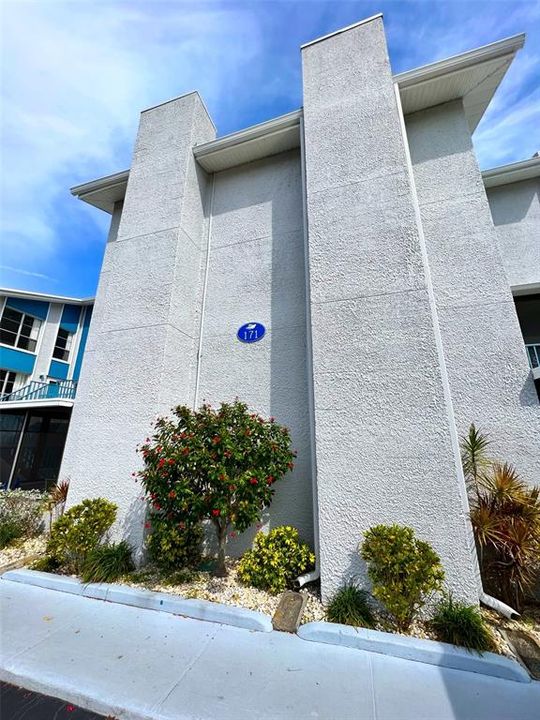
x=173, y=546
x=460, y=624
x=10, y=530
x=350, y=606
x=107, y=563
x=45, y=564
x=276, y=560
x=215, y=464
x=78, y=531
x=404, y=570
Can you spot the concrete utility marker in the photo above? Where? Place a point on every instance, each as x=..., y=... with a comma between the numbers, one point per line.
x=136, y=663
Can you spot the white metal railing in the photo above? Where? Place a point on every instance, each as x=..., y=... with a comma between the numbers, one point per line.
x=533, y=352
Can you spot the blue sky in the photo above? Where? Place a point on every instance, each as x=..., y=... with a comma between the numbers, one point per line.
x=74, y=76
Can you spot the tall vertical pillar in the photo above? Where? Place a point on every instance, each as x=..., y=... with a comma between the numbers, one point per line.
x=142, y=347
x=386, y=444
x=490, y=379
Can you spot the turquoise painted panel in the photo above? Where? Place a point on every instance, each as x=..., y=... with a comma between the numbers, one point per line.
x=82, y=344
x=70, y=318
x=37, y=308
x=58, y=370
x=16, y=360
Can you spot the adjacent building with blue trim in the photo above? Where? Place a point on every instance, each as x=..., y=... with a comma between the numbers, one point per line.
x=42, y=343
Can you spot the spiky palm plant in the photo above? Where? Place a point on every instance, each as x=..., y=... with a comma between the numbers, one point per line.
x=475, y=458
x=505, y=515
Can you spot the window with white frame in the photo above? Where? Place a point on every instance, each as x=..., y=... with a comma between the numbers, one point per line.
x=19, y=329
x=7, y=381
x=62, y=347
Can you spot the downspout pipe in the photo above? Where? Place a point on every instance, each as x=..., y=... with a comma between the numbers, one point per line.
x=314, y=574
x=498, y=606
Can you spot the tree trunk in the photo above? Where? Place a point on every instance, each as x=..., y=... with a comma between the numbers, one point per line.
x=221, y=570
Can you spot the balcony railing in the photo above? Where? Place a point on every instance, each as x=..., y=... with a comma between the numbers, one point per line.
x=533, y=351
x=61, y=390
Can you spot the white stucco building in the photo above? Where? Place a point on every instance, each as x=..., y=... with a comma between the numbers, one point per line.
x=361, y=233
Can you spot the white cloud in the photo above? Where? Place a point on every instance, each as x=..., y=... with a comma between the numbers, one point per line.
x=75, y=76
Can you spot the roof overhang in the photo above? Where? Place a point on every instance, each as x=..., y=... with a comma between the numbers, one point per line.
x=104, y=192
x=28, y=295
x=512, y=173
x=473, y=76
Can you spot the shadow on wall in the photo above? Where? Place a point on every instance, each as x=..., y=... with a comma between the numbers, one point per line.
x=258, y=240
x=510, y=204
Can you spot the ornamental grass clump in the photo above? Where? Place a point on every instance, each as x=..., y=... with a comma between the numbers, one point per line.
x=404, y=571
x=461, y=624
x=350, y=606
x=107, y=563
x=219, y=465
x=276, y=560
x=79, y=531
x=505, y=515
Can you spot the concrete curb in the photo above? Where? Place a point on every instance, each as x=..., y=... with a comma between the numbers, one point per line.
x=147, y=599
x=408, y=648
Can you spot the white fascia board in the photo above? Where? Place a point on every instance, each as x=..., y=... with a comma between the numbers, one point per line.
x=219, y=154
x=29, y=404
x=512, y=173
x=29, y=295
x=423, y=74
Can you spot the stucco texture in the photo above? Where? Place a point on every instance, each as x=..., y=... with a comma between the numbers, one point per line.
x=515, y=210
x=383, y=429
x=256, y=274
x=141, y=352
x=490, y=380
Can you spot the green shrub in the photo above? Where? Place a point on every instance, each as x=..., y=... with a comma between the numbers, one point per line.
x=350, y=606
x=9, y=531
x=173, y=546
x=45, y=564
x=276, y=560
x=460, y=624
x=404, y=571
x=216, y=464
x=106, y=563
x=21, y=514
x=78, y=531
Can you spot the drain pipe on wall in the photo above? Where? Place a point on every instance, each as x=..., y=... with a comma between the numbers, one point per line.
x=498, y=606
x=205, y=284
x=314, y=574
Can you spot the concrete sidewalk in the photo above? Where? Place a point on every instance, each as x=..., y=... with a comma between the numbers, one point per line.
x=135, y=663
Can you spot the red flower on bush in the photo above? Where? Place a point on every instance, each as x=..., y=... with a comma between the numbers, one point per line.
x=216, y=513
x=172, y=494
x=185, y=451
x=216, y=439
x=161, y=463
x=253, y=480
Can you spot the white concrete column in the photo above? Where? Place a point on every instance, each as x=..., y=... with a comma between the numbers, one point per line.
x=141, y=352
x=385, y=438
x=490, y=379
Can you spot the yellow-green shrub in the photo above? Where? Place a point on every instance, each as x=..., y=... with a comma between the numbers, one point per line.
x=78, y=531
x=403, y=570
x=174, y=546
x=275, y=560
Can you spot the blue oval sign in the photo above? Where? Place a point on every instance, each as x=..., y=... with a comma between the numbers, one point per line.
x=251, y=332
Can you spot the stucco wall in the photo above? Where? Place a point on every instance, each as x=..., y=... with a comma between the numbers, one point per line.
x=490, y=380
x=256, y=273
x=383, y=427
x=515, y=210
x=141, y=348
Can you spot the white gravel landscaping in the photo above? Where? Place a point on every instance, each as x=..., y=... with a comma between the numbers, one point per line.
x=19, y=551
x=229, y=591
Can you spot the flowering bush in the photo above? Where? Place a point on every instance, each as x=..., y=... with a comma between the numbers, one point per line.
x=217, y=464
x=404, y=571
x=21, y=514
x=79, y=531
x=276, y=560
x=172, y=547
